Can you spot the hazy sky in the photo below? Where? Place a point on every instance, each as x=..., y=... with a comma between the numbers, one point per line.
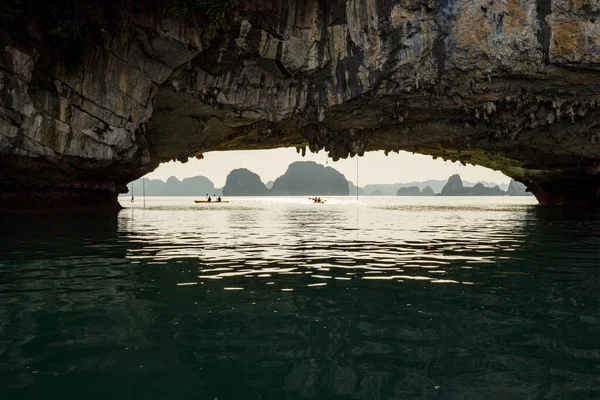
x=374, y=167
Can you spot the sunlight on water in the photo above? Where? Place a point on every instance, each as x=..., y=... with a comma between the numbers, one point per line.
x=277, y=298
x=263, y=238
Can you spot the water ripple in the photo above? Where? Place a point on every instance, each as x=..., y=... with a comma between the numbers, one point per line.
x=276, y=298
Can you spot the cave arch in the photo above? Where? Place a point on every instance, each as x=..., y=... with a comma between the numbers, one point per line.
x=469, y=82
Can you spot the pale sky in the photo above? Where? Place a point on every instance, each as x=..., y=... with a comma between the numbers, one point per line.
x=374, y=167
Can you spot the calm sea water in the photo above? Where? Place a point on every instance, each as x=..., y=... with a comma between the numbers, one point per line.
x=277, y=298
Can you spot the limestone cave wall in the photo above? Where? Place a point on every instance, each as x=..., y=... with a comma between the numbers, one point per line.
x=511, y=85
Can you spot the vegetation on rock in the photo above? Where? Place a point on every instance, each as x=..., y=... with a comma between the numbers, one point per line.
x=67, y=22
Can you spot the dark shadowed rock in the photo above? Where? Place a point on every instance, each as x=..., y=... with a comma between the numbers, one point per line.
x=511, y=86
x=409, y=191
x=309, y=178
x=242, y=182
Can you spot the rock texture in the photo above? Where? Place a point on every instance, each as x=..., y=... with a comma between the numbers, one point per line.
x=69, y=134
x=242, y=182
x=510, y=85
x=308, y=179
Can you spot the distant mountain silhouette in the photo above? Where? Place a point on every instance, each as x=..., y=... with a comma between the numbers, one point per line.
x=391, y=189
x=409, y=191
x=415, y=191
x=427, y=191
x=352, y=188
x=310, y=178
x=517, y=189
x=455, y=187
x=480, y=190
x=304, y=178
x=386, y=189
x=196, y=186
x=243, y=182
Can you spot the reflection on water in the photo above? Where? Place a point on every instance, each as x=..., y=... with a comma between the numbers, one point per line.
x=279, y=299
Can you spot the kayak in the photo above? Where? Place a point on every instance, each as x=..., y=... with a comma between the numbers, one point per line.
x=211, y=202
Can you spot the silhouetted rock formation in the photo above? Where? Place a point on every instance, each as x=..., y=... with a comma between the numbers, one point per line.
x=195, y=186
x=517, y=189
x=427, y=191
x=242, y=182
x=480, y=190
x=454, y=187
x=415, y=191
x=309, y=178
x=386, y=189
x=391, y=189
x=409, y=191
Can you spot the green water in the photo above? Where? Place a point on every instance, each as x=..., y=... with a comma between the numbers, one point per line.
x=389, y=298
